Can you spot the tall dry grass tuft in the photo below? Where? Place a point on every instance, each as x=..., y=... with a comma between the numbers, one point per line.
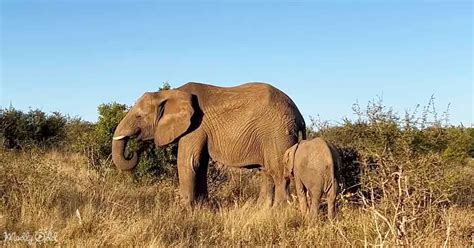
x=59, y=193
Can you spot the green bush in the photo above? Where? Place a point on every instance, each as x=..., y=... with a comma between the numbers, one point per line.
x=13, y=128
x=405, y=165
x=79, y=135
x=34, y=128
x=470, y=131
x=110, y=116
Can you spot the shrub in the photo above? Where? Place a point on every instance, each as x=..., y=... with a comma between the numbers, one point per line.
x=13, y=128
x=404, y=165
x=110, y=116
x=80, y=138
x=35, y=128
x=470, y=131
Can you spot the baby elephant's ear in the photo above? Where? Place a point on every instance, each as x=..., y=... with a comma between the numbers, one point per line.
x=289, y=160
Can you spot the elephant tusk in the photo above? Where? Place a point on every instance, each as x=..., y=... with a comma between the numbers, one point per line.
x=118, y=137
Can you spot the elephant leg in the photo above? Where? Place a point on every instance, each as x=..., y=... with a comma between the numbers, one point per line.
x=331, y=199
x=275, y=167
x=281, y=190
x=187, y=180
x=192, y=169
x=316, y=195
x=331, y=207
x=301, y=193
x=265, y=197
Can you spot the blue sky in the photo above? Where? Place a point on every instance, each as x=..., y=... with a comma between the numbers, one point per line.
x=71, y=56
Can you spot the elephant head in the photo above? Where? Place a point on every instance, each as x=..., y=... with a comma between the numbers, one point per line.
x=289, y=159
x=160, y=116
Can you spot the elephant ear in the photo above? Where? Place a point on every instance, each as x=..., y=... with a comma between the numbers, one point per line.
x=289, y=159
x=174, y=116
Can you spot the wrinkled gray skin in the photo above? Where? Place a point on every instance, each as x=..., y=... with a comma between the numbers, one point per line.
x=314, y=165
x=248, y=126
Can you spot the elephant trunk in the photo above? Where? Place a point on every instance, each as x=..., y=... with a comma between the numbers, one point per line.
x=118, y=150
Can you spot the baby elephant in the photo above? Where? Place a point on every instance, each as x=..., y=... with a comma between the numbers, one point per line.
x=314, y=164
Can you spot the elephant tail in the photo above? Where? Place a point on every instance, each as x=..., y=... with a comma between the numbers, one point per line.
x=301, y=135
x=301, y=129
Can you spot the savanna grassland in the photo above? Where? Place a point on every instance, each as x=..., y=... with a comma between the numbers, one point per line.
x=86, y=208
x=408, y=183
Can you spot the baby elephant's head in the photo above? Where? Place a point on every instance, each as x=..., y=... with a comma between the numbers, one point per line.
x=289, y=160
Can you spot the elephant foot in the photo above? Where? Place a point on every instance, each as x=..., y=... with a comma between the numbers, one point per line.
x=282, y=196
x=265, y=197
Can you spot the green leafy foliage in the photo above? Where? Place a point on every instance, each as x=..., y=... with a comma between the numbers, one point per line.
x=470, y=131
x=35, y=128
x=404, y=168
x=110, y=116
x=165, y=86
x=79, y=135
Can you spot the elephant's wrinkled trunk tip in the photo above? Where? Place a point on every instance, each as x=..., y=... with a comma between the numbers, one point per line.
x=118, y=150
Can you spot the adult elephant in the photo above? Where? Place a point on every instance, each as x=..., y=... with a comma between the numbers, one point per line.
x=247, y=126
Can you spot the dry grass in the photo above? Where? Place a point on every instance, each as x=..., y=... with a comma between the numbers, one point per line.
x=86, y=208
